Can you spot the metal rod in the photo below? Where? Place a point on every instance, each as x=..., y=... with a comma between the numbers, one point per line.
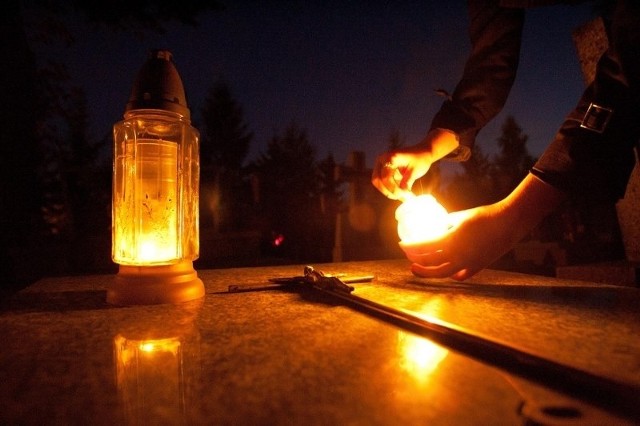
x=278, y=283
x=240, y=288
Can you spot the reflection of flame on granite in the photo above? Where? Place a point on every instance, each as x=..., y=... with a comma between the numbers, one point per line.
x=157, y=365
x=420, y=356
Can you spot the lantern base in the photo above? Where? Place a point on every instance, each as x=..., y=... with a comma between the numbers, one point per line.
x=151, y=285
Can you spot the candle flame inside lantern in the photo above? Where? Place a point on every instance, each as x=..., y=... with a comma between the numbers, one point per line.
x=421, y=218
x=147, y=212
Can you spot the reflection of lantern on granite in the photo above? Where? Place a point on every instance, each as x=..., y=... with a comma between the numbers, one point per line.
x=157, y=366
x=421, y=218
x=148, y=377
x=156, y=172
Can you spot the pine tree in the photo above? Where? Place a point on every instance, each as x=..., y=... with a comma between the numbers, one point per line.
x=224, y=145
x=290, y=192
x=473, y=185
x=225, y=136
x=396, y=141
x=513, y=162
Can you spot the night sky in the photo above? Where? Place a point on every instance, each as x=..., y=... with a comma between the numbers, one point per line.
x=348, y=72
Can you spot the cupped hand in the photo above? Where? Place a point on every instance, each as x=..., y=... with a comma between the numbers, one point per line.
x=479, y=236
x=476, y=239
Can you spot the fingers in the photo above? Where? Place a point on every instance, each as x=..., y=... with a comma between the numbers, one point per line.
x=440, y=271
x=407, y=178
x=424, y=248
x=432, y=260
x=443, y=270
x=464, y=274
x=393, y=176
x=429, y=259
x=383, y=177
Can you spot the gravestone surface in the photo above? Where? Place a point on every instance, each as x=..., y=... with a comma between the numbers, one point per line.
x=629, y=217
x=591, y=41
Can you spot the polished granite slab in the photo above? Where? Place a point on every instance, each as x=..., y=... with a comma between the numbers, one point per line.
x=505, y=348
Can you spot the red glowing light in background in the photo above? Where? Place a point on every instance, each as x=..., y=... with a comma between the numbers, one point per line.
x=278, y=239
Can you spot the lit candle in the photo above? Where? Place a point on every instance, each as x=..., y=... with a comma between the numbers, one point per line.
x=421, y=218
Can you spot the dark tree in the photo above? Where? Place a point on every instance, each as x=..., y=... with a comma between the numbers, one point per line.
x=396, y=141
x=290, y=192
x=134, y=16
x=513, y=162
x=225, y=136
x=20, y=192
x=472, y=187
x=225, y=141
x=484, y=180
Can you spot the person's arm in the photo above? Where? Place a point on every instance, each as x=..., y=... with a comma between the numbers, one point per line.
x=591, y=156
x=495, y=35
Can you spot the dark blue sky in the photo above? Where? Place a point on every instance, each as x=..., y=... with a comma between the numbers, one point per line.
x=349, y=72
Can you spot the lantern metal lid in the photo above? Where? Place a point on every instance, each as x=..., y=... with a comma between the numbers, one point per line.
x=159, y=86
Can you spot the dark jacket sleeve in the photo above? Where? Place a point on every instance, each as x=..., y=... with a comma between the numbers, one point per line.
x=592, y=154
x=495, y=33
